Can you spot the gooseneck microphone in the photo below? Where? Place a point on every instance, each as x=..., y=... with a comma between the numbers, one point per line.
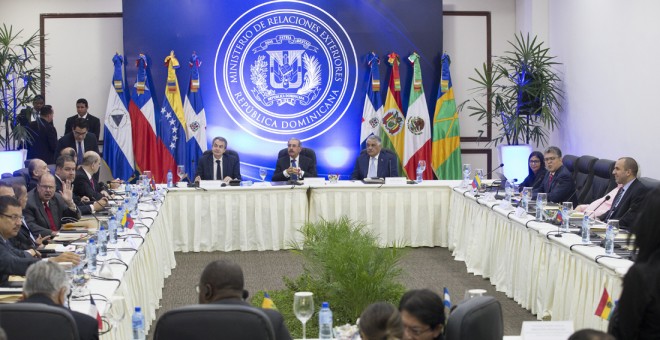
x=491, y=172
x=607, y=198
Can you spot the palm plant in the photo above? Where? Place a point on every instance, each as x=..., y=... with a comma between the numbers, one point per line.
x=522, y=88
x=20, y=81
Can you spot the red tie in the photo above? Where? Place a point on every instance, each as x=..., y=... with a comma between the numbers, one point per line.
x=53, y=227
x=91, y=181
x=550, y=179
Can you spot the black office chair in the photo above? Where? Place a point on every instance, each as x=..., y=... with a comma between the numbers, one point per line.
x=14, y=179
x=603, y=180
x=7, y=175
x=227, y=322
x=54, y=323
x=23, y=172
x=584, y=175
x=650, y=183
x=229, y=152
x=477, y=318
x=307, y=152
x=569, y=162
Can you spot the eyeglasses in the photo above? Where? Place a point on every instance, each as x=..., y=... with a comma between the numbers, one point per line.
x=534, y=161
x=13, y=217
x=550, y=159
x=79, y=133
x=415, y=331
x=47, y=187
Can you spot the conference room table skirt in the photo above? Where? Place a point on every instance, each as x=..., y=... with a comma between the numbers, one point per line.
x=236, y=218
x=538, y=271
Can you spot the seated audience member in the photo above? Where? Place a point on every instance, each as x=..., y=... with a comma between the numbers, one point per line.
x=217, y=165
x=44, y=136
x=590, y=334
x=558, y=182
x=381, y=321
x=79, y=139
x=294, y=166
x=537, y=170
x=222, y=283
x=45, y=207
x=71, y=152
x=36, y=167
x=623, y=206
x=25, y=239
x=31, y=114
x=423, y=315
x=47, y=283
x=65, y=172
x=14, y=261
x=85, y=184
x=374, y=163
x=638, y=310
x=93, y=123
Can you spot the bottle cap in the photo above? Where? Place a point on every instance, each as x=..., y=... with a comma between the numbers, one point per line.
x=138, y=309
x=325, y=305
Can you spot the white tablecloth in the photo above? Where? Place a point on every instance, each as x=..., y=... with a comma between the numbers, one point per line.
x=538, y=271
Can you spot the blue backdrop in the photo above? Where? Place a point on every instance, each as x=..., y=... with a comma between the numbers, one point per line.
x=281, y=69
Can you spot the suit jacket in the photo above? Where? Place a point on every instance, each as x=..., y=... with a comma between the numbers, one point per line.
x=93, y=125
x=561, y=189
x=276, y=319
x=629, y=206
x=85, y=209
x=230, y=167
x=35, y=214
x=44, y=141
x=25, y=116
x=82, y=186
x=305, y=164
x=23, y=240
x=87, y=326
x=387, y=166
x=69, y=141
x=13, y=261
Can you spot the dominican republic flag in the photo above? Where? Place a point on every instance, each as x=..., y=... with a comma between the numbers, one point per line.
x=193, y=107
x=373, y=104
x=172, y=117
x=150, y=152
x=393, y=120
x=118, y=140
x=418, y=137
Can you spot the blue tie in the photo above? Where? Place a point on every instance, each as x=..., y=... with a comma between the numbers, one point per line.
x=80, y=153
x=294, y=177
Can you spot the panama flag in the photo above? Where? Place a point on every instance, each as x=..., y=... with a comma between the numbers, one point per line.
x=446, y=131
x=195, y=118
x=393, y=120
x=150, y=152
x=118, y=141
x=172, y=117
x=373, y=104
x=418, y=137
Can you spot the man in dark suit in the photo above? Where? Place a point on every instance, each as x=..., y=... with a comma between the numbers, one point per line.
x=46, y=283
x=24, y=240
x=294, y=166
x=14, y=261
x=374, y=163
x=558, y=182
x=36, y=168
x=222, y=283
x=44, y=136
x=628, y=199
x=93, y=123
x=85, y=184
x=218, y=165
x=45, y=207
x=65, y=172
x=31, y=114
x=79, y=139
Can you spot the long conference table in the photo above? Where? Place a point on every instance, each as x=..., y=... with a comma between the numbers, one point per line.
x=552, y=277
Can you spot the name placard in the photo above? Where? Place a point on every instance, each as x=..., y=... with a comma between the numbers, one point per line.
x=396, y=180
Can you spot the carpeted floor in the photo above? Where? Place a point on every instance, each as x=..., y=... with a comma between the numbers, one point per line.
x=432, y=268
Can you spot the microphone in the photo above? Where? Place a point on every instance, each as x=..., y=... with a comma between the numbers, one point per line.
x=607, y=198
x=491, y=172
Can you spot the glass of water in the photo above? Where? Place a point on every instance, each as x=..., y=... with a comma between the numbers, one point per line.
x=262, y=174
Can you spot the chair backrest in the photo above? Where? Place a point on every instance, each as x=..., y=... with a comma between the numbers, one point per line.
x=23, y=172
x=7, y=175
x=222, y=321
x=14, y=179
x=477, y=318
x=584, y=175
x=307, y=152
x=229, y=152
x=28, y=321
x=51, y=168
x=569, y=162
x=650, y=183
x=603, y=180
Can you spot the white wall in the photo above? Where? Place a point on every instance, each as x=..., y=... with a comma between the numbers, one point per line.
x=610, y=54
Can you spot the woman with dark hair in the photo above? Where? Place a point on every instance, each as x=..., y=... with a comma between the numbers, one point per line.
x=536, y=166
x=423, y=315
x=380, y=321
x=637, y=313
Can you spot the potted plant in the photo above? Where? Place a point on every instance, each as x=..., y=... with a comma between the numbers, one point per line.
x=20, y=81
x=520, y=95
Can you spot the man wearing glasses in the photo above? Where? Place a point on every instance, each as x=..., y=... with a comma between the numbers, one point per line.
x=78, y=139
x=45, y=207
x=557, y=182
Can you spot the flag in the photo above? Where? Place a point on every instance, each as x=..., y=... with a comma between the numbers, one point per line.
x=94, y=312
x=447, y=298
x=118, y=141
x=172, y=117
x=605, y=306
x=446, y=146
x=373, y=104
x=149, y=150
x=476, y=182
x=418, y=124
x=268, y=303
x=195, y=118
x=128, y=221
x=393, y=120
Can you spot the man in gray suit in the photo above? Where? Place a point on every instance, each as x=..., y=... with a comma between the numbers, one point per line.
x=46, y=207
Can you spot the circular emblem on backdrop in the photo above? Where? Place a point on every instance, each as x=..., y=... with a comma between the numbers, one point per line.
x=285, y=69
x=416, y=125
x=117, y=119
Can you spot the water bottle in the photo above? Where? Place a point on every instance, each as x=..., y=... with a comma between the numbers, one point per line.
x=103, y=241
x=120, y=217
x=539, y=210
x=325, y=321
x=508, y=191
x=565, y=219
x=609, y=240
x=91, y=256
x=585, y=229
x=419, y=174
x=138, y=324
x=170, y=182
x=112, y=230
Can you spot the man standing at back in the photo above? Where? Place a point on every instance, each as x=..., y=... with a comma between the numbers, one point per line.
x=93, y=123
x=558, y=182
x=44, y=136
x=294, y=166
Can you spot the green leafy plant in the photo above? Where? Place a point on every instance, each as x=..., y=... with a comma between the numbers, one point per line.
x=521, y=92
x=344, y=265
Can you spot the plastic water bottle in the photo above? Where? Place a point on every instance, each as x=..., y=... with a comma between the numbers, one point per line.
x=565, y=219
x=539, y=210
x=120, y=216
x=170, y=181
x=91, y=255
x=585, y=229
x=609, y=240
x=325, y=321
x=112, y=230
x=419, y=178
x=138, y=324
x=103, y=241
x=508, y=191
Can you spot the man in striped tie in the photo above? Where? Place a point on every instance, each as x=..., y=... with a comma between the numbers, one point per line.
x=630, y=193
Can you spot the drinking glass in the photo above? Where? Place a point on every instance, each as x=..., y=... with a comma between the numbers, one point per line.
x=181, y=171
x=471, y=293
x=422, y=165
x=303, y=307
x=566, y=208
x=115, y=310
x=467, y=169
x=479, y=172
x=262, y=174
